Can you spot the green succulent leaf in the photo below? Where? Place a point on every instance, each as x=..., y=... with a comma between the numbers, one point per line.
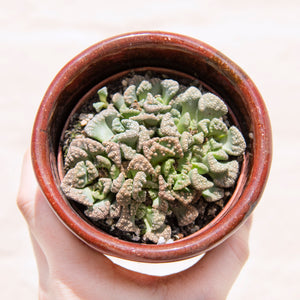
x=211, y=106
x=185, y=214
x=102, y=94
x=98, y=211
x=217, y=128
x=118, y=101
x=102, y=162
x=228, y=177
x=169, y=90
x=130, y=95
x=184, y=122
x=200, y=167
x=82, y=149
x=168, y=167
x=117, y=126
x=234, y=143
x=189, y=102
x=154, y=219
x=213, y=194
x=128, y=112
x=158, y=152
x=143, y=89
x=182, y=180
x=130, y=135
x=198, y=181
x=100, y=127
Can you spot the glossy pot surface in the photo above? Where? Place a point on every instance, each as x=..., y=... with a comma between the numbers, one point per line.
x=179, y=54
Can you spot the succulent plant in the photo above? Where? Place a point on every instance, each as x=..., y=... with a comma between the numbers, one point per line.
x=149, y=155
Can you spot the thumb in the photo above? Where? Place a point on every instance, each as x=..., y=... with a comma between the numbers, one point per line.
x=27, y=188
x=215, y=273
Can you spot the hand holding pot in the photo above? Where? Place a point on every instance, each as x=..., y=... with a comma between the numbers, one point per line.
x=69, y=269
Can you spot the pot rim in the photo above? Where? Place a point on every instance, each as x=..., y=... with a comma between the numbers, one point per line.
x=227, y=222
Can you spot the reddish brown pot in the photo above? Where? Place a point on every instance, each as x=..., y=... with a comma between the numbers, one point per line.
x=156, y=50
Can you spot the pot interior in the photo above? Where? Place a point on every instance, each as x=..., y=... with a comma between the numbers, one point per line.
x=114, y=85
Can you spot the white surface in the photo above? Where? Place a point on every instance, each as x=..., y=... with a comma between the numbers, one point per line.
x=157, y=269
x=38, y=37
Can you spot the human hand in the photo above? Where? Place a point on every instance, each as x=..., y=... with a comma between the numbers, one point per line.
x=69, y=269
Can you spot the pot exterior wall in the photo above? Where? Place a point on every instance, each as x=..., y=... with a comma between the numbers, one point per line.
x=156, y=50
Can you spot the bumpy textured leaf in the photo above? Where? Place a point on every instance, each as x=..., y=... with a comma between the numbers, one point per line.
x=153, y=155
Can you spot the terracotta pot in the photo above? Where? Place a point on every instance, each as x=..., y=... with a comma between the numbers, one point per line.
x=176, y=53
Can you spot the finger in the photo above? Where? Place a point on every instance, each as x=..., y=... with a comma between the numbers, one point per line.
x=69, y=259
x=41, y=220
x=42, y=263
x=56, y=249
x=52, y=236
x=216, y=272
x=223, y=264
x=43, y=223
x=27, y=188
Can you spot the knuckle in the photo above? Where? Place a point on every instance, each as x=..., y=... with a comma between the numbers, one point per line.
x=24, y=206
x=240, y=249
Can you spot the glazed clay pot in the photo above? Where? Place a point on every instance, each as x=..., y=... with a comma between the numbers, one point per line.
x=176, y=54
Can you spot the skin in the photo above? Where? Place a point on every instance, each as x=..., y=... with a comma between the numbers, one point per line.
x=69, y=269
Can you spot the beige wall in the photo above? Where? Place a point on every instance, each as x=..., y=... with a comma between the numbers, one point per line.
x=38, y=37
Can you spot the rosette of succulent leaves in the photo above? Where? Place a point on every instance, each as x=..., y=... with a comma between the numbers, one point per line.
x=150, y=153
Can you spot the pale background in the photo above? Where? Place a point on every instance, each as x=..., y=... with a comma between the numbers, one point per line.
x=38, y=37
